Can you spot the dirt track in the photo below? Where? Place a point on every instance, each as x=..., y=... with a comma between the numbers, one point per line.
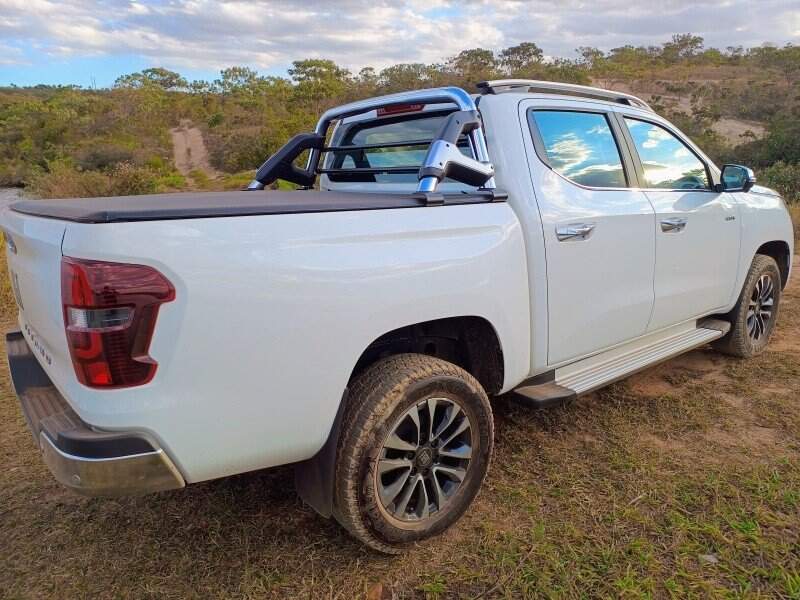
x=189, y=151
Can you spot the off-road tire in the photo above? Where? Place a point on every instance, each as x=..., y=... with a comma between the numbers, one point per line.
x=738, y=341
x=378, y=398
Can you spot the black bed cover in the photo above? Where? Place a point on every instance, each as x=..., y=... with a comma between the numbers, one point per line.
x=200, y=205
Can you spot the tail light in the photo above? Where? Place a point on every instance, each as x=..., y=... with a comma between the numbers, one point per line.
x=110, y=312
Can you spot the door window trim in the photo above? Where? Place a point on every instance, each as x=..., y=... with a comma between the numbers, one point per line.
x=619, y=118
x=628, y=165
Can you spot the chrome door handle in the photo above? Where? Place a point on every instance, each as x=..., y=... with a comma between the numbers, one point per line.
x=675, y=225
x=574, y=231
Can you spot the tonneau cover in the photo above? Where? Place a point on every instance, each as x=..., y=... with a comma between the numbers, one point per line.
x=199, y=205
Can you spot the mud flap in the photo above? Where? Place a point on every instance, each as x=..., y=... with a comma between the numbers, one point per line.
x=314, y=478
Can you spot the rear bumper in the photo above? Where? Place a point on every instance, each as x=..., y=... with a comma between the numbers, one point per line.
x=93, y=463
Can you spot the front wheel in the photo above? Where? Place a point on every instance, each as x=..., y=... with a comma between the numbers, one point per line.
x=754, y=316
x=414, y=450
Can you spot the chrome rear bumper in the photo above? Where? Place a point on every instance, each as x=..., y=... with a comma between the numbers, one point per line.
x=91, y=462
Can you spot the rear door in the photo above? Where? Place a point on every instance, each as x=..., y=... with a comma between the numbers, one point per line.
x=697, y=231
x=598, y=230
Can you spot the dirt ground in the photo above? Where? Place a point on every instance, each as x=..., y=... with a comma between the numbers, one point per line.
x=189, y=151
x=682, y=481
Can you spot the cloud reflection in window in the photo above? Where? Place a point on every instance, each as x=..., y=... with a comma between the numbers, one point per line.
x=581, y=147
x=667, y=162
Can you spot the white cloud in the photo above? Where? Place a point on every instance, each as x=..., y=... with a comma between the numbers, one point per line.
x=269, y=34
x=9, y=55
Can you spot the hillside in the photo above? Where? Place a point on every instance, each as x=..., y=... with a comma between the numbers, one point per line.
x=740, y=105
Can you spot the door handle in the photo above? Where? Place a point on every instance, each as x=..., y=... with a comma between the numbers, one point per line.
x=574, y=231
x=675, y=225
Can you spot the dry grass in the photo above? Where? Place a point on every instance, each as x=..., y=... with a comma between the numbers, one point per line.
x=682, y=481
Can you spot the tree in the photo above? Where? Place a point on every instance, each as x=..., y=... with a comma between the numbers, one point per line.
x=319, y=82
x=157, y=77
x=474, y=65
x=236, y=79
x=683, y=46
x=406, y=76
x=521, y=58
x=590, y=57
x=317, y=70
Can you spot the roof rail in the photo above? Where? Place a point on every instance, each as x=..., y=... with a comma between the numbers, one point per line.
x=498, y=86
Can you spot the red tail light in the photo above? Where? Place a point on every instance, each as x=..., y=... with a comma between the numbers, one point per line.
x=110, y=312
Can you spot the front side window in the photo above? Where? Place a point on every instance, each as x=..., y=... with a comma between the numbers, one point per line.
x=580, y=146
x=668, y=163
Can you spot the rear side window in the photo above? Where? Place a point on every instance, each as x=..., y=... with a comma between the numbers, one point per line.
x=668, y=163
x=580, y=146
x=418, y=128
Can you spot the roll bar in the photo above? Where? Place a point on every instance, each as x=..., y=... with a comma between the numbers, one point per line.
x=450, y=95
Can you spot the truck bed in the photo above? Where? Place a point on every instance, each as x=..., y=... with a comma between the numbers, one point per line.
x=203, y=205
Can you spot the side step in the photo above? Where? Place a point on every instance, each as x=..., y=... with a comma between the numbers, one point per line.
x=544, y=395
x=595, y=372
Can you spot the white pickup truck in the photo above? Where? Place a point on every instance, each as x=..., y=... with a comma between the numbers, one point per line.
x=357, y=328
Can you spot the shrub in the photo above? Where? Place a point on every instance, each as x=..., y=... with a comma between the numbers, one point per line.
x=239, y=150
x=129, y=180
x=170, y=182
x=785, y=178
x=159, y=165
x=103, y=156
x=12, y=173
x=200, y=179
x=237, y=181
x=62, y=180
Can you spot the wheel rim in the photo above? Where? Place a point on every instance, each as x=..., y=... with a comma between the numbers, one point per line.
x=424, y=460
x=760, y=308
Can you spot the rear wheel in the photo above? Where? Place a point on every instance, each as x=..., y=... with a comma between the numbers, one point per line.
x=415, y=448
x=754, y=316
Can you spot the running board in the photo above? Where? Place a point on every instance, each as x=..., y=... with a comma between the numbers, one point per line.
x=543, y=395
x=595, y=372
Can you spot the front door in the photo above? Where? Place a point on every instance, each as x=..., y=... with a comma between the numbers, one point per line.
x=696, y=230
x=598, y=231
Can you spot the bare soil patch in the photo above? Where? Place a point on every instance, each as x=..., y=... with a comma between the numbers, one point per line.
x=189, y=151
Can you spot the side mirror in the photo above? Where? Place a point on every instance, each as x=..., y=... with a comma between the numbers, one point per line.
x=736, y=178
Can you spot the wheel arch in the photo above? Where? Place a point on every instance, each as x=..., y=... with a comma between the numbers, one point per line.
x=470, y=342
x=778, y=250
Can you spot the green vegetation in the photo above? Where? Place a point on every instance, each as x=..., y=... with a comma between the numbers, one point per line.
x=67, y=140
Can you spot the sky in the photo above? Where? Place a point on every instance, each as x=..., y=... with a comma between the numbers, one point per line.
x=91, y=43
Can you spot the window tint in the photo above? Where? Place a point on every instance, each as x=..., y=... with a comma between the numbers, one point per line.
x=668, y=163
x=411, y=129
x=581, y=147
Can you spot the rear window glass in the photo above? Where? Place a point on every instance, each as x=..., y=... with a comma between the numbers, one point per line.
x=418, y=128
x=581, y=147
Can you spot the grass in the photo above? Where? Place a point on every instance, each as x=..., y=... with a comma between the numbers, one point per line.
x=682, y=481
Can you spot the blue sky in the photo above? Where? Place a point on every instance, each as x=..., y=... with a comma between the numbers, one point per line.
x=92, y=42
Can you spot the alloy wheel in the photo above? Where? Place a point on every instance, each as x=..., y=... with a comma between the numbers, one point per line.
x=424, y=459
x=760, y=308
